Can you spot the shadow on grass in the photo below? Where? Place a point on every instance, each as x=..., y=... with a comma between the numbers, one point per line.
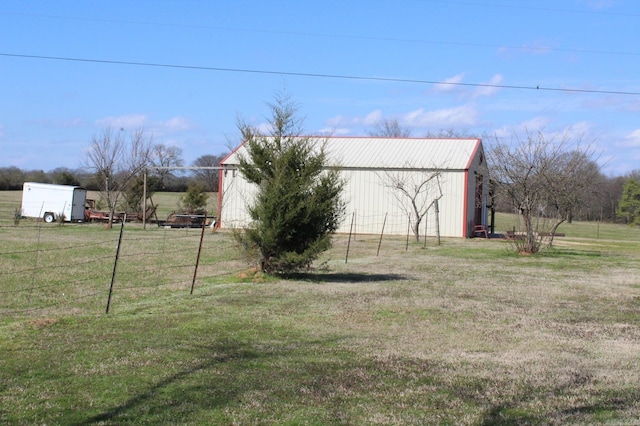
x=165, y=397
x=608, y=409
x=346, y=277
x=562, y=252
x=231, y=371
x=608, y=406
x=270, y=380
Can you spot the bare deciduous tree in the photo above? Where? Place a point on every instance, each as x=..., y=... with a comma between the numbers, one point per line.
x=207, y=175
x=389, y=128
x=415, y=192
x=163, y=158
x=448, y=134
x=545, y=179
x=116, y=159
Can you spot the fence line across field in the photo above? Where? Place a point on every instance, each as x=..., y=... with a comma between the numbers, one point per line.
x=57, y=273
x=144, y=182
x=49, y=266
x=373, y=219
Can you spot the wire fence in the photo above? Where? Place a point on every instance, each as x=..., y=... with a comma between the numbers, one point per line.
x=47, y=269
x=396, y=224
x=50, y=269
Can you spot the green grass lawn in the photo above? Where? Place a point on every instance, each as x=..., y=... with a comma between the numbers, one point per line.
x=577, y=229
x=462, y=333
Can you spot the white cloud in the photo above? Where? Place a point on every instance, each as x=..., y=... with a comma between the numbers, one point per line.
x=453, y=84
x=373, y=117
x=74, y=123
x=177, y=124
x=597, y=4
x=264, y=128
x=449, y=84
x=534, y=124
x=336, y=121
x=578, y=131
x=464, y=115
x=490, y=87
x=335, y=131
x=632, y=139
x=341, y=124
x=128, y=122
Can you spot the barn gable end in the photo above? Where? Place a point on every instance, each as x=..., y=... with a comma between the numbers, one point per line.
x=367, y=164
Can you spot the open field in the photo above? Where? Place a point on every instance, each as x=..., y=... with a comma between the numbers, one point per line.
x=461, y=333
x=166, y=202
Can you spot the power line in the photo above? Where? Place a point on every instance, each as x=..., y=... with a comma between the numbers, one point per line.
x=320, y=75
x=536, y=8
x=369, y=38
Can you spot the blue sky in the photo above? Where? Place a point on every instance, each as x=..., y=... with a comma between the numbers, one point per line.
x=185, y=70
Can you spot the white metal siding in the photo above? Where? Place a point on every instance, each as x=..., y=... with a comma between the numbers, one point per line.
x=236, y=192
x=368, y=200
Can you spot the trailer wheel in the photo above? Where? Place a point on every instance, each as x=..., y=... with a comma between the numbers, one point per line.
x=49, y=217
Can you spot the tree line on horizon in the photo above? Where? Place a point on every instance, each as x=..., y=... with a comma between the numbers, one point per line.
x=602, y=202
x=607, y=198
x=160, y=180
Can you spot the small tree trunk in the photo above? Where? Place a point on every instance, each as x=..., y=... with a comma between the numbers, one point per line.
x=416, y=229
x=110, y=221
x=553, y=230
x=531, y=243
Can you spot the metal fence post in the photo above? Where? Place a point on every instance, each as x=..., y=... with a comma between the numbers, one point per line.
x=353, y=218
x=195, y=271
x=115, y=263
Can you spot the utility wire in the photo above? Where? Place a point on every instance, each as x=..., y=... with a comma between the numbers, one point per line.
x=318, y=75
x=365, y=37
x=513, y=5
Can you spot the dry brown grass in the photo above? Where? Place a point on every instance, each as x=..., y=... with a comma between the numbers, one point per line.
x=548, y=336
x=462, y=333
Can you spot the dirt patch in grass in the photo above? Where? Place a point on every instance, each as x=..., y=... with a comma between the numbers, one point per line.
x=43, y=322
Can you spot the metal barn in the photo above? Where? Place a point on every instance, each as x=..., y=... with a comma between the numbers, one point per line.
x=453, y=171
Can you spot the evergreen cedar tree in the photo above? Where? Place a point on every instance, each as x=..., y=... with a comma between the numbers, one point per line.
x=298, y=203
x=629, y=205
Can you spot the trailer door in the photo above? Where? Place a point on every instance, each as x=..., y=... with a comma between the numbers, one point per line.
x=78, y=202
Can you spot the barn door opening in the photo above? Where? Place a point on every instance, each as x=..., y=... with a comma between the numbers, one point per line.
x=479, y=205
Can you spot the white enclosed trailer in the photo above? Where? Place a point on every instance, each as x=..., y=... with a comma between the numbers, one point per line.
x=50, y=202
